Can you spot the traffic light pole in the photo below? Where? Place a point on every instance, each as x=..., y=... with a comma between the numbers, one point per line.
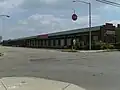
x=90, y=19
x=90, y=26
x=2, y=25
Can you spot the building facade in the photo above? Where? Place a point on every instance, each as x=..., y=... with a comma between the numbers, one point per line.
x=105, y=33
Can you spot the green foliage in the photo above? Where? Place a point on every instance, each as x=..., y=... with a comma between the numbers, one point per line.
x=107, y=46
x=77, y=46
x=95, y=46
x=101, y=45
x=104, y=45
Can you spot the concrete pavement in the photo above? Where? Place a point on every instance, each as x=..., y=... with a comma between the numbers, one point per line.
x=92, y=71
x=32, y=83
x=97, y=51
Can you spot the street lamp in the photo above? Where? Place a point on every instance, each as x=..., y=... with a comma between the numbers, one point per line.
x=89, y=12
x=1, y=25
x=5, y=16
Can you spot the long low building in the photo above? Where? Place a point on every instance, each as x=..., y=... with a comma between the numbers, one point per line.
x=105, y=33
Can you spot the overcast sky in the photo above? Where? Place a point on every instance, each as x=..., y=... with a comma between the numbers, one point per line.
x=34, y=17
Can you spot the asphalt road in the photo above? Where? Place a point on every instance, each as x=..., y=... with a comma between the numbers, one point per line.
x=92, y=71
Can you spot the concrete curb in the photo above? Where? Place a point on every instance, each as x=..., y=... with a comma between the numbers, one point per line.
x=93, y=51
x=97, y=51
x=31, y=83
x=86, y=51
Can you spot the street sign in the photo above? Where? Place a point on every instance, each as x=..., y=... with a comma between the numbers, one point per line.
x=74, y=17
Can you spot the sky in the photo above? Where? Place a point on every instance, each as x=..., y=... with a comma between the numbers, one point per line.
x=35, y=17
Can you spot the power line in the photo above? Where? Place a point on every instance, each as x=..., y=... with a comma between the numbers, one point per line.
x=109, y=2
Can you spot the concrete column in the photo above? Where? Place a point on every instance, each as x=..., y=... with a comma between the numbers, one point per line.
x=39, y=43
x=51, y=43
x=43, y=43
x=31, y=43
x=68, y=41
x=65, y=41
x=28, y=43
x=59, y=42
x=83, y=41
x=56, y=42
x=47, y=43
x=62, y=42
x=36, y=43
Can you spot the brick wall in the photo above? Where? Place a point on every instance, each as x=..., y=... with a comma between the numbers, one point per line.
x=108, y=33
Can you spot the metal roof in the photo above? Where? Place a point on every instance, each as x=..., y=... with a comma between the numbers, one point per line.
x=63, y=32
x=75, y=31
x=23, y=38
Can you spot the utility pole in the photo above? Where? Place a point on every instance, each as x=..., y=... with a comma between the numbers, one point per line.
x=2, y=25
x=90, y=19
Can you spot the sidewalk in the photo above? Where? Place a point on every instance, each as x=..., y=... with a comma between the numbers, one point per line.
x=27, y=83
x=94, y=51
x=84, y=51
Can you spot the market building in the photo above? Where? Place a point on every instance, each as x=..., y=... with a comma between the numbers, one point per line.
x=105, y=33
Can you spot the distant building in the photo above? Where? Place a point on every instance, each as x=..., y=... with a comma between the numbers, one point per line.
x=105, y=33
x=118, y=33
x=0, y=38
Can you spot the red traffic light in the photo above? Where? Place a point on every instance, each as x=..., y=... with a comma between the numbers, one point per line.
x=74, y=17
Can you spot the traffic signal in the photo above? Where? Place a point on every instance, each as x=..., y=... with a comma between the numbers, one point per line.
x=74, y=17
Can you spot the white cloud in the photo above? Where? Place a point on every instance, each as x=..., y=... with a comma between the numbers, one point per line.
x=84, y=20
x=10, y=3
x=38, y=24
x=8, y=6
x=49, y=1
x=115, y=22
x=109, y=8
x=42, y=16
